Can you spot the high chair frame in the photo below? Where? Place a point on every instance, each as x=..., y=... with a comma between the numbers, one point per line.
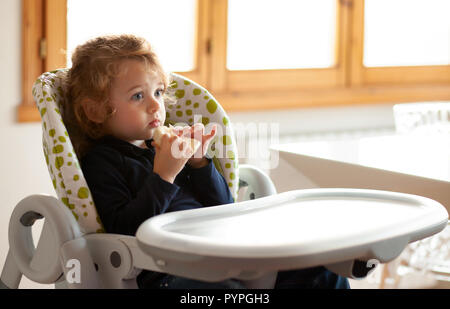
x=103, y=260
x=73, y=251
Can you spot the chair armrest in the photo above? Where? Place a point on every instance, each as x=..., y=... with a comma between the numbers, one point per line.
x=40, y=264
x=110, y=261
x=256, y=183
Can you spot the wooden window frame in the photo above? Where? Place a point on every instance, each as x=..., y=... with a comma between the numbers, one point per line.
x=347, y=82
x=43, y=45
x=32, y=62
x=400, y=75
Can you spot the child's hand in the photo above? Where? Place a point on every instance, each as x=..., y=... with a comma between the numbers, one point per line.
x=197, y=131
x=170, y=157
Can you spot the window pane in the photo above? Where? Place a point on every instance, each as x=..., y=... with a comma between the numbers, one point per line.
x=406, y=32
x=168, y=25
x=281, y=34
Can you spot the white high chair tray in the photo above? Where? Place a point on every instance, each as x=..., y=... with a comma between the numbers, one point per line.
x=295, y=229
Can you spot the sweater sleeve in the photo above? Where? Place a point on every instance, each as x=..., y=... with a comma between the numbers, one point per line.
x=209, y=186
x=119, y=211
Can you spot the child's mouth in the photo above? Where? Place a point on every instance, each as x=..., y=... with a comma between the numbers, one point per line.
x=155, y=123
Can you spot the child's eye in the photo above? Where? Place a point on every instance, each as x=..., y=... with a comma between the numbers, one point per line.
x=159, y=92
x=137, y=96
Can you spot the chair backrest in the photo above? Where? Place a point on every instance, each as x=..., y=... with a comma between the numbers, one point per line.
x=193, y=104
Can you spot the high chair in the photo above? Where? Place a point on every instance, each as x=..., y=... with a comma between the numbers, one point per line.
x=348, y=231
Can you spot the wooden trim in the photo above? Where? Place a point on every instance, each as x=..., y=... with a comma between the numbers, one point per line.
x=322, y=97
x=342, y=49
x=56, y=34
x=203, y=34
x=357, y=42
x=36, y=26
x=224, y=80
x=32, y=63
x=218, y=60
x=407, y=75
x=201, y=61
x=28, y=113
x=348, y=82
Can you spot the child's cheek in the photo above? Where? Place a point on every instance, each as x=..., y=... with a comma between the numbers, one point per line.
x=163, y=115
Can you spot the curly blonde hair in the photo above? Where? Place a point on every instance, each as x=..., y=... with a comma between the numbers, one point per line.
x=94, y=66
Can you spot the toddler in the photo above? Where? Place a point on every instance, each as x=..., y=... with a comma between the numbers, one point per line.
x=116, y=90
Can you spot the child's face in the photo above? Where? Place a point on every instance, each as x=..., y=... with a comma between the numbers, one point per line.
x=137, y=96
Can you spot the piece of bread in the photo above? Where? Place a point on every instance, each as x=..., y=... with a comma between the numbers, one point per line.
x=161, y=130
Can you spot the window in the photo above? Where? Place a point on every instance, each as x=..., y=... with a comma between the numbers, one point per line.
x=152, y=19
x=268, y=41
x=262, y=54
x=403, y=42
x=421, y=37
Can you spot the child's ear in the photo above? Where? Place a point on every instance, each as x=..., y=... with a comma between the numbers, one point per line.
x=92, y=111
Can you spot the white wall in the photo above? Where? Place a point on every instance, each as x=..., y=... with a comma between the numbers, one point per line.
x=22, y=164
x=323, y=119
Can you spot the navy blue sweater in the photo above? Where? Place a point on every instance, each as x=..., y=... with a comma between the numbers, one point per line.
x=126, y=192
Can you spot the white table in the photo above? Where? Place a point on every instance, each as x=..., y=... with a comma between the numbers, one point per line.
x=337, y=228
x=415, y=164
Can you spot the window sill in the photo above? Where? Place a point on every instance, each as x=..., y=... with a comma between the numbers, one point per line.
x=327, y=97
x=339, y=96
x=28, y=113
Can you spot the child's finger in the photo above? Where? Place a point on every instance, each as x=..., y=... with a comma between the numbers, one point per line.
x=198, y=130
x=211, y=134
x=188, y=152
x=167, y=141
x=186, y=149
x=213, y=131
x=154, y=145
x=178, y=130
x=176, y=147
x=166, y=138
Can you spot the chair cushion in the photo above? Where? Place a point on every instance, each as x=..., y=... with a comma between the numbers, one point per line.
x=65, y=172
x=194, y=104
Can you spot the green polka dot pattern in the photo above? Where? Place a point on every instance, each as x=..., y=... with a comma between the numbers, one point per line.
x=63, y=166
x=193, y=104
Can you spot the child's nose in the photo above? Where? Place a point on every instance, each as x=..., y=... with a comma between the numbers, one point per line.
x=153, y=105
